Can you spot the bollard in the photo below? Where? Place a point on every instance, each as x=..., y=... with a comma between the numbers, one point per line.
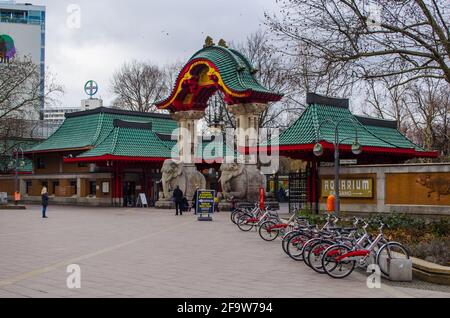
x=331, y=204
x=400, y=270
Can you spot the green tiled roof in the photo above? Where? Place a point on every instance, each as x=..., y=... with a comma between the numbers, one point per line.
x=235, y=69
x=90, y=128
x=371, y=132
x=130, y=142
x=388, y=132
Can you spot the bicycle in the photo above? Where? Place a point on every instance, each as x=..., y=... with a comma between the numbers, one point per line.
x=340, y=260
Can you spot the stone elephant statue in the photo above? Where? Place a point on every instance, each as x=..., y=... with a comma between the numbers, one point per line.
x=241, y=182
x=175, y=173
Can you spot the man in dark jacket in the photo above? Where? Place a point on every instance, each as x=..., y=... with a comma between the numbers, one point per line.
x=178, y=198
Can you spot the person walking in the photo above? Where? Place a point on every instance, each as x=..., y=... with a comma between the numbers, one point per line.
x=44, y=198
x=178, y=198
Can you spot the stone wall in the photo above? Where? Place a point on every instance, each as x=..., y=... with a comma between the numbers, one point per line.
x=408, y=188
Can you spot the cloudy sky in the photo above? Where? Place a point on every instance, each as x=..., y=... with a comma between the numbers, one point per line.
x=112, y=32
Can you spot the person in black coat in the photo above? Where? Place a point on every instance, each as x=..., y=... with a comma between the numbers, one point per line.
x=44, y=198
x=178, y=198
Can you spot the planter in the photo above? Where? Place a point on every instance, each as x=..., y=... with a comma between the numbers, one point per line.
x=430, y=272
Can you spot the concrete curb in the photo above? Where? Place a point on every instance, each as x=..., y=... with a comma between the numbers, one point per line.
x=12, y=207
x=430, y=272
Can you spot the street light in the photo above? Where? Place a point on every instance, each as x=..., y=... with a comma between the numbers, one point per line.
x=17, y=162
x=356, y=149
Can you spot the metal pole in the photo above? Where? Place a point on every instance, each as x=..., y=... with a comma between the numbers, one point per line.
x=336, y=173
x=16, y=179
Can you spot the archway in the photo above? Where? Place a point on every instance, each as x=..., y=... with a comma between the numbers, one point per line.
x=211, y=69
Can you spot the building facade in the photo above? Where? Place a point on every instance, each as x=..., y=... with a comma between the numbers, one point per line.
x=23, y=26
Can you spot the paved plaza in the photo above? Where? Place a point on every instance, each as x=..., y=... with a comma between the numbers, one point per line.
x=152, y=253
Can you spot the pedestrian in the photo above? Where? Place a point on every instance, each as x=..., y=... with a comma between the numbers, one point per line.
x=44, y=197
x=178, y=199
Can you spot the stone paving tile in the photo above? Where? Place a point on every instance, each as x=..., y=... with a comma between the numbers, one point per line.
x=152, y=253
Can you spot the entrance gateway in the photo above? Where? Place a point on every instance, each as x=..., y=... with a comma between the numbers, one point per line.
x=213, y=69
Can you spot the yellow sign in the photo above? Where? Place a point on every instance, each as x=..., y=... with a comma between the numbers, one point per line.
x=349, y=188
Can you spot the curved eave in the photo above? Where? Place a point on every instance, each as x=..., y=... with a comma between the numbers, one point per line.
x=114, y=158
x=245, y=94
x=328, y=147
x=32, y=152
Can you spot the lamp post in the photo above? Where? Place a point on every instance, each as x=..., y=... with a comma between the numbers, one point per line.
x=17, y=162
x=356, y=149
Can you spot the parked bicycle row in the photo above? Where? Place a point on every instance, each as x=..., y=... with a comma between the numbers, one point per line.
x=332, y=248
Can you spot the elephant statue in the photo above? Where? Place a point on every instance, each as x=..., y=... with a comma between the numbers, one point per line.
x=175, y=173
x=241, y=182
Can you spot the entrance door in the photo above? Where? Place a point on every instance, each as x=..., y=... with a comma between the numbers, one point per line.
x=129, y=194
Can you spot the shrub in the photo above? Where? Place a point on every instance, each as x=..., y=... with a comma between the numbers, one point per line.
x=436, y=251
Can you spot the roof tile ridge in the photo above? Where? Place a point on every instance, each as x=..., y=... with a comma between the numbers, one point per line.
x=368, y=131
x=160, y=141
x=116, y=136
x=99, y=128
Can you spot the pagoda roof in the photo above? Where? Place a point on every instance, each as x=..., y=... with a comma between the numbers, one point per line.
x=129, y=140
x=375, y=135
x=88, y=129
x=229, y=70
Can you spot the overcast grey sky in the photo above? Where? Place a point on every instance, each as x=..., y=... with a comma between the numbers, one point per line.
x=161, y=31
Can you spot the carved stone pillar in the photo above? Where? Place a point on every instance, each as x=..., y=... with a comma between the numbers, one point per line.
x=247, y=127
x=187, y=135
x=241, y=181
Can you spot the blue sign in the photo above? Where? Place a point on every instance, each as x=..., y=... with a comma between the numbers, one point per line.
x=205, y=204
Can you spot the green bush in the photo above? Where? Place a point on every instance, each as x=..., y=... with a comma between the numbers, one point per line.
x=435, y=251
x=417, y=225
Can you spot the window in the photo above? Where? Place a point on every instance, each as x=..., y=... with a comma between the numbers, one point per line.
x=92, y=188
x=82, y=165
x=40, y=163
x=55, y=184
x=28, y=185
x=74, y=185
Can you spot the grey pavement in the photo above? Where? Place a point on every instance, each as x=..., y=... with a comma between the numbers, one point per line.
x=153, y=253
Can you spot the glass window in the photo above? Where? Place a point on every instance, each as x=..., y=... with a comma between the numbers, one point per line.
x=40, y=163
x=28, y=185
x=92, y=188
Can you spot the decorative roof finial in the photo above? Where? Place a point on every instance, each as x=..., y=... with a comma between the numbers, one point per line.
x=222, y=43
x=208, y=42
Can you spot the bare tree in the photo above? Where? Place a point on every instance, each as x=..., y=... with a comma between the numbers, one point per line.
x=377, y=39
x=20, y=89
x=138, y=85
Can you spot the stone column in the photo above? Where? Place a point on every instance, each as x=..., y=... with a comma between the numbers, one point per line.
x=247, y=127
x=187, y=135
x=245, y=187
x=185, y=175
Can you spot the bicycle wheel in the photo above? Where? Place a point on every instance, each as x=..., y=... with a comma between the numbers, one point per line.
x=307, y=248
x=333, y=265
x=316, y=253
x=295, y=246
x=285, y=240
x=245, y=223
x=266, y=231
x=236, y=214
x=388, y=252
